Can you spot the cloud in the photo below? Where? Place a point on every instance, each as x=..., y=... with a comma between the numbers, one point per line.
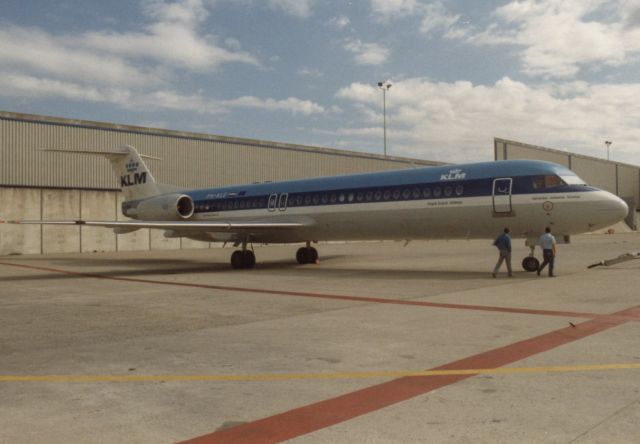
x=434, y=16
x=560, y=38
x=292, y=104
x=296, y=8
x=310, y=72
x=130, y=70
x=169, y=43
x=36, y=52
x=367, y=53
x=457, y=121
x=172, y=38
x=385, y=10
x=340, y=22
x=25, y=86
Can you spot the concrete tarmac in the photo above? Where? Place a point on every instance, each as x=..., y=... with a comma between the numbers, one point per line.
x=378, y=343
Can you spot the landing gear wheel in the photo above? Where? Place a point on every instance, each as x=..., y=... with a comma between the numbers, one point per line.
x=313, y=255
x=530, y=264
x=307, y=255
x=301, y=256
x=248, y=259
x=243, y=259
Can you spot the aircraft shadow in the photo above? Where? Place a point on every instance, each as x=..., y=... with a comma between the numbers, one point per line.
x=137, y=268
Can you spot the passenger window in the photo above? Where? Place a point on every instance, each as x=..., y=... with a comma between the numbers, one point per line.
x=426, y=192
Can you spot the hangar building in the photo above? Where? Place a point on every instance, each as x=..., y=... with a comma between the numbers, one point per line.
x=45, y=186
x=36, y=184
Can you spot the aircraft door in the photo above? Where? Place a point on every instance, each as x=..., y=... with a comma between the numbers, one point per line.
x=282, y=202
x=273, y=200
x=502, y=195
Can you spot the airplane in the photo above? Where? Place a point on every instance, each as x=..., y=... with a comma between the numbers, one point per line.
x=465, y=201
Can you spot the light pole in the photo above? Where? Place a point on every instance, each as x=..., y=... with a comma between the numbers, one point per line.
x=384, y=86
x=608, y=143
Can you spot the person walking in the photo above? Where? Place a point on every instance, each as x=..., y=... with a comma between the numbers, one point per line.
x=503, y=243
x=548, y=244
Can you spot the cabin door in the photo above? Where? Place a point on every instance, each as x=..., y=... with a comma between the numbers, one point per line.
x=502, y=195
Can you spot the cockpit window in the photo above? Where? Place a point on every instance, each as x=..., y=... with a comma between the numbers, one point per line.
x=572, y=180
x=544, y=182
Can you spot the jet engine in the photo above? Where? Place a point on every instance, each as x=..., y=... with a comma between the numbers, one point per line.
x=168, y=207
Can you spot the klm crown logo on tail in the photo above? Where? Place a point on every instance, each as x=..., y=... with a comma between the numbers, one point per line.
x=133, y=178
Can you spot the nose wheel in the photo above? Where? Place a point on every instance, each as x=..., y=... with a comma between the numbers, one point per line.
x=530, y=264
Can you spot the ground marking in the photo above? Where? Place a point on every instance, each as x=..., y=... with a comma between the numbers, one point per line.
x=311, y=376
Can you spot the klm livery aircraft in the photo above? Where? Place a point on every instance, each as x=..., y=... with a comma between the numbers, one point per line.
x=447, y=202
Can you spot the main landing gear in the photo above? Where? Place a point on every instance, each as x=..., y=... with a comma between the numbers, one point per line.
x=530, y=263
x=241, y=259
x=307, y=255
x=244, y=259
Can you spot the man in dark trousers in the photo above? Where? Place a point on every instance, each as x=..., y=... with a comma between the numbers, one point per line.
x=548, y=244
x=503, y=243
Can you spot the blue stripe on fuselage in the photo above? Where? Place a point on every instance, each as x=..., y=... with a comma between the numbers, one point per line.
x=455, y=181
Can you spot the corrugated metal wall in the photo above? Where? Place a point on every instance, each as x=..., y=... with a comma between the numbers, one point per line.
x=189, y=160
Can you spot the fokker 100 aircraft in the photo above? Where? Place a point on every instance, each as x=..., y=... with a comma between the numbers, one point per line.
x=475, y=200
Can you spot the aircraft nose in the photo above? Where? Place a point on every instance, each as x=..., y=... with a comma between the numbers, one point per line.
x=617, y=208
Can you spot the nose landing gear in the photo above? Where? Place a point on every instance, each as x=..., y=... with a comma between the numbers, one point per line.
x=530, y=263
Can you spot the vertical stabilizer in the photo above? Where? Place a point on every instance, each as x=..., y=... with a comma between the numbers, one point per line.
x=136, y=181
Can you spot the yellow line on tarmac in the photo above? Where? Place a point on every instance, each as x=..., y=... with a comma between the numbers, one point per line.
x=309, y=376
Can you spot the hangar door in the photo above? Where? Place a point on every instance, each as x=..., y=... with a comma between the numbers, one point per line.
x=502, y=195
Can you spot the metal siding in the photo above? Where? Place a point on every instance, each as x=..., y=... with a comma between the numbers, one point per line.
x=515, y=152
x=601, y=174
x=188, y=160
x=629, y=182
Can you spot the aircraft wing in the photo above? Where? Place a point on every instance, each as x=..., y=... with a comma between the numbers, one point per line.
x=206, y=226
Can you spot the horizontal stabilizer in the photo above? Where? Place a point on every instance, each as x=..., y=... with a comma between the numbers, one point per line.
x=98, y=153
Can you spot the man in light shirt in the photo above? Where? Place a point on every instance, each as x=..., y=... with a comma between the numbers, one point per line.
x=548, y=244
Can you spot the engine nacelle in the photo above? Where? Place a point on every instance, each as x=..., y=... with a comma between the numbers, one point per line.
x=169, y=207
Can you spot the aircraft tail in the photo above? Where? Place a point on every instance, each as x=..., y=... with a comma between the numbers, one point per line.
x=134, y=177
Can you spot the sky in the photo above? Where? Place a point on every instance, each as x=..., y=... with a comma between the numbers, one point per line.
x=563, y=74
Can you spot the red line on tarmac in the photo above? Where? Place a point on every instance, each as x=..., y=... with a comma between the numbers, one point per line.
x=353, y=298
x=313, y=417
